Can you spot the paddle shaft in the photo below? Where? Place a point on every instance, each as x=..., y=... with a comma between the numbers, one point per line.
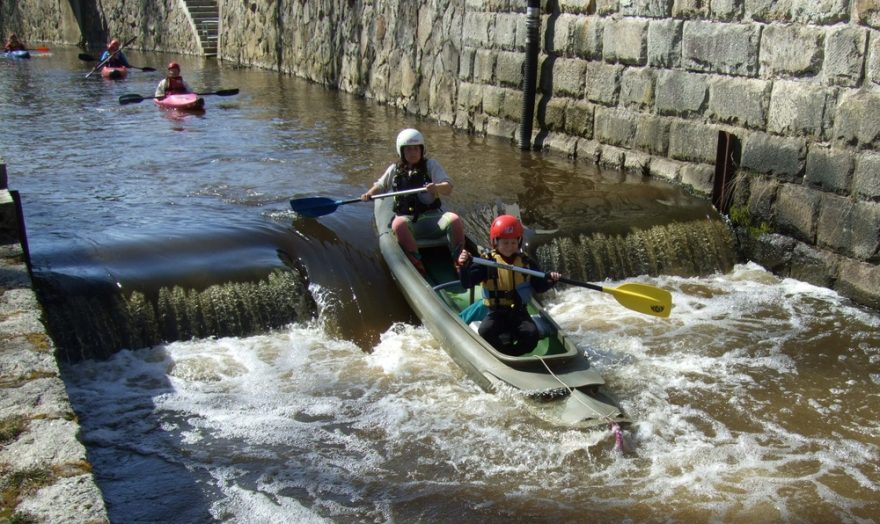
x=638, y=297
x=383, y=195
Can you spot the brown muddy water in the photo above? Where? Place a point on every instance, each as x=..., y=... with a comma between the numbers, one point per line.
x=756, y=401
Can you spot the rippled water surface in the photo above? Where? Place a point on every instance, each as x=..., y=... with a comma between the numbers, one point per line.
x=756, y=401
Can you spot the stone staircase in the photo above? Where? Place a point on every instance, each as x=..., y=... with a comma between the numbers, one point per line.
x=206, y=18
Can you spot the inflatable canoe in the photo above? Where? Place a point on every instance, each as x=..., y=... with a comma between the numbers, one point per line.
x=181, y=101
x=555, y=371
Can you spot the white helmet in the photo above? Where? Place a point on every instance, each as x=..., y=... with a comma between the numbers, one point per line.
x=410, y=137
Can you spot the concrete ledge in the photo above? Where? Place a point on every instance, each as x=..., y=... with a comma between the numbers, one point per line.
x=45, y=475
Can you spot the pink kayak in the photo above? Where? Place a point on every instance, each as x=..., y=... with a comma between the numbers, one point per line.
x=114, y=73
x=181, y=101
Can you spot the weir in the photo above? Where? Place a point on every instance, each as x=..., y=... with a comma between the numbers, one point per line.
x=98, y=320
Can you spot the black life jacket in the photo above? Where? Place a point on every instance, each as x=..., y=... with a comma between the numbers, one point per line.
x=406, y=177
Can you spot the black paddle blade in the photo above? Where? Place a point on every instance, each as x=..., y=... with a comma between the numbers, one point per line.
x=131, y=98
x=224, y=92
x=313, y=207
x=86, y=58
x=146, y=69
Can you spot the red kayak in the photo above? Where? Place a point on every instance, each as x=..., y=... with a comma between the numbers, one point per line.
x=114, y=73
x=181, y=101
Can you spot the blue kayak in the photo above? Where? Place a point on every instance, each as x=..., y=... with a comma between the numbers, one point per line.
x=17, y=54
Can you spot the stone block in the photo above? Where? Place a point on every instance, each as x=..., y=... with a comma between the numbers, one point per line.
x=616, y=127
x=589, y=150
x=612, y=157
x=692, y=141
x=777, y=156
x=625, y=41
x=692, y=9
x=796, y=212
x=872, y=66
x=800, y=109
x=637, y=89
x=559, y=142
x=484, y=66
x=603, y=83
x=829, y=169
x=834, y=226
x=505, y=31
x=860, y=281
x=844, y=56
x=866, y=177
x=823, y=12
x=700, y=177
x=510, y=69
x=646, y=8
x=466, y=64
x=791, y=51
x=579, y=118
x=569, y=76
x=551, y=114
x=576, y=6
x=586, y=38
x=476, y=27
x=681, y=94
x=665, y=169
x=857, y=120
x=652, y=134
x=726, y=10
x=728, y=49
x=739, y=101
x=813, y=266
x=561, y=42
x=866, y=232
x=867, y=12
x=664, y=43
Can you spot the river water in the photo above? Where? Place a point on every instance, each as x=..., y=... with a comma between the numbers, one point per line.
x=758, y=400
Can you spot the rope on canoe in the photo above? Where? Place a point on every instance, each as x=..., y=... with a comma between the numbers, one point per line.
x=612, y=424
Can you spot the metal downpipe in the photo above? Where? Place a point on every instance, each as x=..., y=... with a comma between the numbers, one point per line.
x=533, y=22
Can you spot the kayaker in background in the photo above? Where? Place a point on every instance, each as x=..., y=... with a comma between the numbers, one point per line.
x=14, y=44
x=173, y=83
x=418, y=215
x=114, y=55
x=508, y=325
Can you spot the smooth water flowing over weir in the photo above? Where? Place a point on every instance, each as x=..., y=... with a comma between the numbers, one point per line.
x=296, y=385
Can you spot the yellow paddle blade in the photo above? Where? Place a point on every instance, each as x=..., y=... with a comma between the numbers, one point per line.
x=643, y=298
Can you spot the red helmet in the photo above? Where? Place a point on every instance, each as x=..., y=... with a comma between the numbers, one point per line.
x=505, y=226
x=173, y=65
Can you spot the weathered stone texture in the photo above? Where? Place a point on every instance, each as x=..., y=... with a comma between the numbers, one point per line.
x=729, y=49
x=800, y=109
x=739, y=101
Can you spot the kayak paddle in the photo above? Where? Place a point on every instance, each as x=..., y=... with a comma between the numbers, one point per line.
x=643, y=298
x=102, y=62
x=314, y=207
x=133, y=98
x=40, y=49
x=89, y=58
